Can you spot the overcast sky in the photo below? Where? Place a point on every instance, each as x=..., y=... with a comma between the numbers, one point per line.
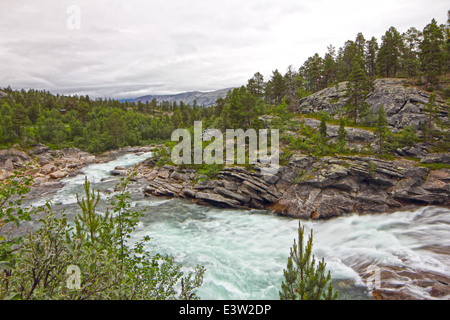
x=130, y=48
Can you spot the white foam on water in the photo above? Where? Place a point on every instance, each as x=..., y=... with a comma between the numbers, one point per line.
x=245, y=251
x=95, y=173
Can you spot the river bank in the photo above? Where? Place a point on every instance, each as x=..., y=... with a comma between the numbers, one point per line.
x=308, y=187
x=48, y=167
x=245, y=249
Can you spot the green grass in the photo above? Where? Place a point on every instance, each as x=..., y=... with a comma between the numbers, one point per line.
x=348, y=123
x=435, y=166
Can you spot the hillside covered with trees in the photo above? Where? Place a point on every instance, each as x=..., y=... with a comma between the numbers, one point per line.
x=96, y=125
x=341, y=105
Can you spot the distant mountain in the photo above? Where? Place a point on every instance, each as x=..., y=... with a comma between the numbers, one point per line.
x=203, y=98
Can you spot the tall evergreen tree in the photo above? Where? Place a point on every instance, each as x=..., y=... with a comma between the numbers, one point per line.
x=342, y=134
x=430, y=111
x=312, y=72
x=410, y=56
x=256, y=84
x=358, y=87
x=360, y=43
x=243, y=110
x=329, y=66
x=381, y=128
x=116, y=129
x=290, y=84
x=388, y=60
x=344, y=60
x=276, y=88
x=371, y=57
x=431, y=52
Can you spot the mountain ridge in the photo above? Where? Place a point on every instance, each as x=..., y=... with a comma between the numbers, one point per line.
x=203, y=98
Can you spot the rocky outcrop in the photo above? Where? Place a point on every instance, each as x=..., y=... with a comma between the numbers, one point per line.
x=49, y=165
x=308, y=187
x=354, y=137
x=52, y=165
x=403, y=103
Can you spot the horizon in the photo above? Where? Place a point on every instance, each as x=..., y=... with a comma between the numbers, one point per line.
x=130, y=49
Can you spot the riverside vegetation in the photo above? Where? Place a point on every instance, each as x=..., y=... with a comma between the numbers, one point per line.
x=367, y=117
x=36, y=266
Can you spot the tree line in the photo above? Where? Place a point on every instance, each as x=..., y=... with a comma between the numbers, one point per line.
x=422, y=54
x=97, y=125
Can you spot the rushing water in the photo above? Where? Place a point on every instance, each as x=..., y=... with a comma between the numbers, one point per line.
x=245, y=251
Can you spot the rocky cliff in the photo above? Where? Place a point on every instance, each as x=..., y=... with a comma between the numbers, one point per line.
x=308, y=187
x=403, y=103
x=325, y=187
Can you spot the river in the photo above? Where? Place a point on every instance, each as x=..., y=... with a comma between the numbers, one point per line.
x=245, y=251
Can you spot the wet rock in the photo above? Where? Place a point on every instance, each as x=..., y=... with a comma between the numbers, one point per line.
x=118, y=172
x=215, y=198
x=230, y=194
x=311, y=188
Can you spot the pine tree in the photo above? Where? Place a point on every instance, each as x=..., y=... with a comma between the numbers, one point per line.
x=388, y=60
x=344, y=60
x=329, y=66
x=242, y=111
x=430, y=111
x=381, y=128
x=431, y=52
x=360, y=43
x=312, y=72
x=358, y=87
x=410, y=58
x=371, y=57
x=323, y=131
x=88, y=221
x=255, y=85
x=342, y=134
x=116, y=129
x=289, y=78
x=303, y=278
x=276, y=88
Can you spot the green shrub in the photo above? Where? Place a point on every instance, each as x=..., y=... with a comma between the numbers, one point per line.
x=98, y=247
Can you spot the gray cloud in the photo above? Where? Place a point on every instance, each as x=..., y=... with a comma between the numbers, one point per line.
x=134, y=47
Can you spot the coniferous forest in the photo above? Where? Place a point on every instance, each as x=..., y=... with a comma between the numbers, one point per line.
x=100, y=124
x=98, y=243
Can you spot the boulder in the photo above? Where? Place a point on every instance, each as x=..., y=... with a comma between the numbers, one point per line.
x=118, y=172
x=48, y=168
x=58, y=174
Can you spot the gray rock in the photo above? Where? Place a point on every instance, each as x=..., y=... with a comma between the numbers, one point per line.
x=437, y=158
x=230, y=194
x=118, y=172
x=215, y=198
x=403, y=104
